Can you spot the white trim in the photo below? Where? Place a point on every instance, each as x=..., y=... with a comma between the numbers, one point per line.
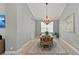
x=30, y=10
x=62, y=11
x=70, y=46
x=19, y=50
x=16, y=52
x=9, y=52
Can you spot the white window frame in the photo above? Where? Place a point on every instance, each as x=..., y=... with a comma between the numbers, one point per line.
x=48, y=27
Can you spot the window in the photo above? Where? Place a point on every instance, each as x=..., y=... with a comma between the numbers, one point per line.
x=48, y=27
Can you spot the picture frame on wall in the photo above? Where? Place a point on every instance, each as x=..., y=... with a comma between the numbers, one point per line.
x=2, y=21
x=69, y=23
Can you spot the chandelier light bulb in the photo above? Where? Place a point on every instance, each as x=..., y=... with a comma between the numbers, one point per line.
x=46, y=18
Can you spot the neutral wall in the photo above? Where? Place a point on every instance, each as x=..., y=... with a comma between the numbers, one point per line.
x=20, y=26
x=9, y=32
x=11, y=27
x=56, y=26
x=37, y=27
x=25, y=25
x=2, y=12
x=71, y=38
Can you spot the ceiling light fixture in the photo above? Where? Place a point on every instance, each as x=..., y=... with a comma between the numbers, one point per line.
x=46, y=18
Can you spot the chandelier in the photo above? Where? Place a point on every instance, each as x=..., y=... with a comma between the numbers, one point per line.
x=46, y=18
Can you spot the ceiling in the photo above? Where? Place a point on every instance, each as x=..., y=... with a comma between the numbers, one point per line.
x=39, y=10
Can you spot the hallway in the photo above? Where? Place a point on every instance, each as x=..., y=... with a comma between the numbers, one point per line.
x=26, y=21
x=33, y=47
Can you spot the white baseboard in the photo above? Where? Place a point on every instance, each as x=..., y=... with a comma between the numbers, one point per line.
x=69, y=48
x=10, y=52
x=19, y=50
